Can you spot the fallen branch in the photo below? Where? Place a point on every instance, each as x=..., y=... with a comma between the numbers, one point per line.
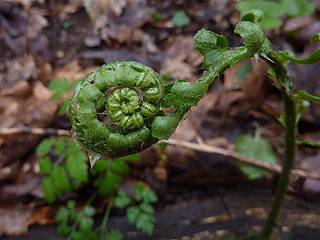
x=239, y=157
x=178, y=143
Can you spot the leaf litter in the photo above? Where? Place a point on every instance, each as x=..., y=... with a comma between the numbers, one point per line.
x=41, y=41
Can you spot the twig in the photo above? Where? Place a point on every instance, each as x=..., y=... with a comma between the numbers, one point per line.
x=239, y=157
x=36, y=131
x=194, y=146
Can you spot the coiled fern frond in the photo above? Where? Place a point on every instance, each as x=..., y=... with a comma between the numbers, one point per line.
x=130, y=119
x=133, y=116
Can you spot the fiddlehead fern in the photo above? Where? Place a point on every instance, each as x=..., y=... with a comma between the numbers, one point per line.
x=133, y=94
x=133, y=118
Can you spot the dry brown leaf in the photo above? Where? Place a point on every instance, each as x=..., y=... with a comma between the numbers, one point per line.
x=35, y=109
x=14, y=219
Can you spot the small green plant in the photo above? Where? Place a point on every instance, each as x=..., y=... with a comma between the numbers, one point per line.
x=139, y=208
x=156, y=16
x=61, y=86
x=255, y=147
x=63, y=165
x=108, y=173
x=78, y=224
x=181, y=19
x=65, y=168
x=274, y=10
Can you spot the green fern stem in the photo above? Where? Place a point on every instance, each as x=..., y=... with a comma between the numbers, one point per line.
x=284, y=83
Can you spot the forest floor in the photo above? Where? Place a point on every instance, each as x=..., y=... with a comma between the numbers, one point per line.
x=201, y=195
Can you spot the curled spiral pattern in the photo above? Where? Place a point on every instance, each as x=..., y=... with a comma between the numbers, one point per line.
x=133, y=94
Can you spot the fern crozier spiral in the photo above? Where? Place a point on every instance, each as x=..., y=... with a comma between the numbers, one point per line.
x=133, y=95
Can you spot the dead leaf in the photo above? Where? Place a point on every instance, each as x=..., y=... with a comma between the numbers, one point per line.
x=181, y=59
x=13, y=219
x=28, y=183
x=23, y=29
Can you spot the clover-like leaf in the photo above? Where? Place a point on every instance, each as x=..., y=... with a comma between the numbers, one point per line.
x=109, y=183
x=44, y=146
x=181, y=19
x=60, y=86
x=122, y=200
x=255, y=147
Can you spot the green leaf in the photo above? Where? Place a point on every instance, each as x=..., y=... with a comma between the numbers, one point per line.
x=85, y=223
x=45, y=145
x=149, y=195
x=253, y=15
x=114, y=235
x=295, y=8
x=145, y=222
x=76, y=162
x=60, y=145
x=255, y=147
x=59, y=174
x=138, y=189
x=45, y=165
x=133, y=213
x=49, y=189
x=75, y=235
x=120, y=166
x=146, y=207
x=109, y=183
x=77, y=168
x=252, y=34
x=122, y=200
x=156, y=16
x=211, y=45
x=271, y=11
x=71, y=204
x=312, y=59
x=60, y=86
x=62, y=215
x=63, y=229
x=64, y=106
x=89, y=211
x=74, y=150
x=101, y=165
x=181, y=19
